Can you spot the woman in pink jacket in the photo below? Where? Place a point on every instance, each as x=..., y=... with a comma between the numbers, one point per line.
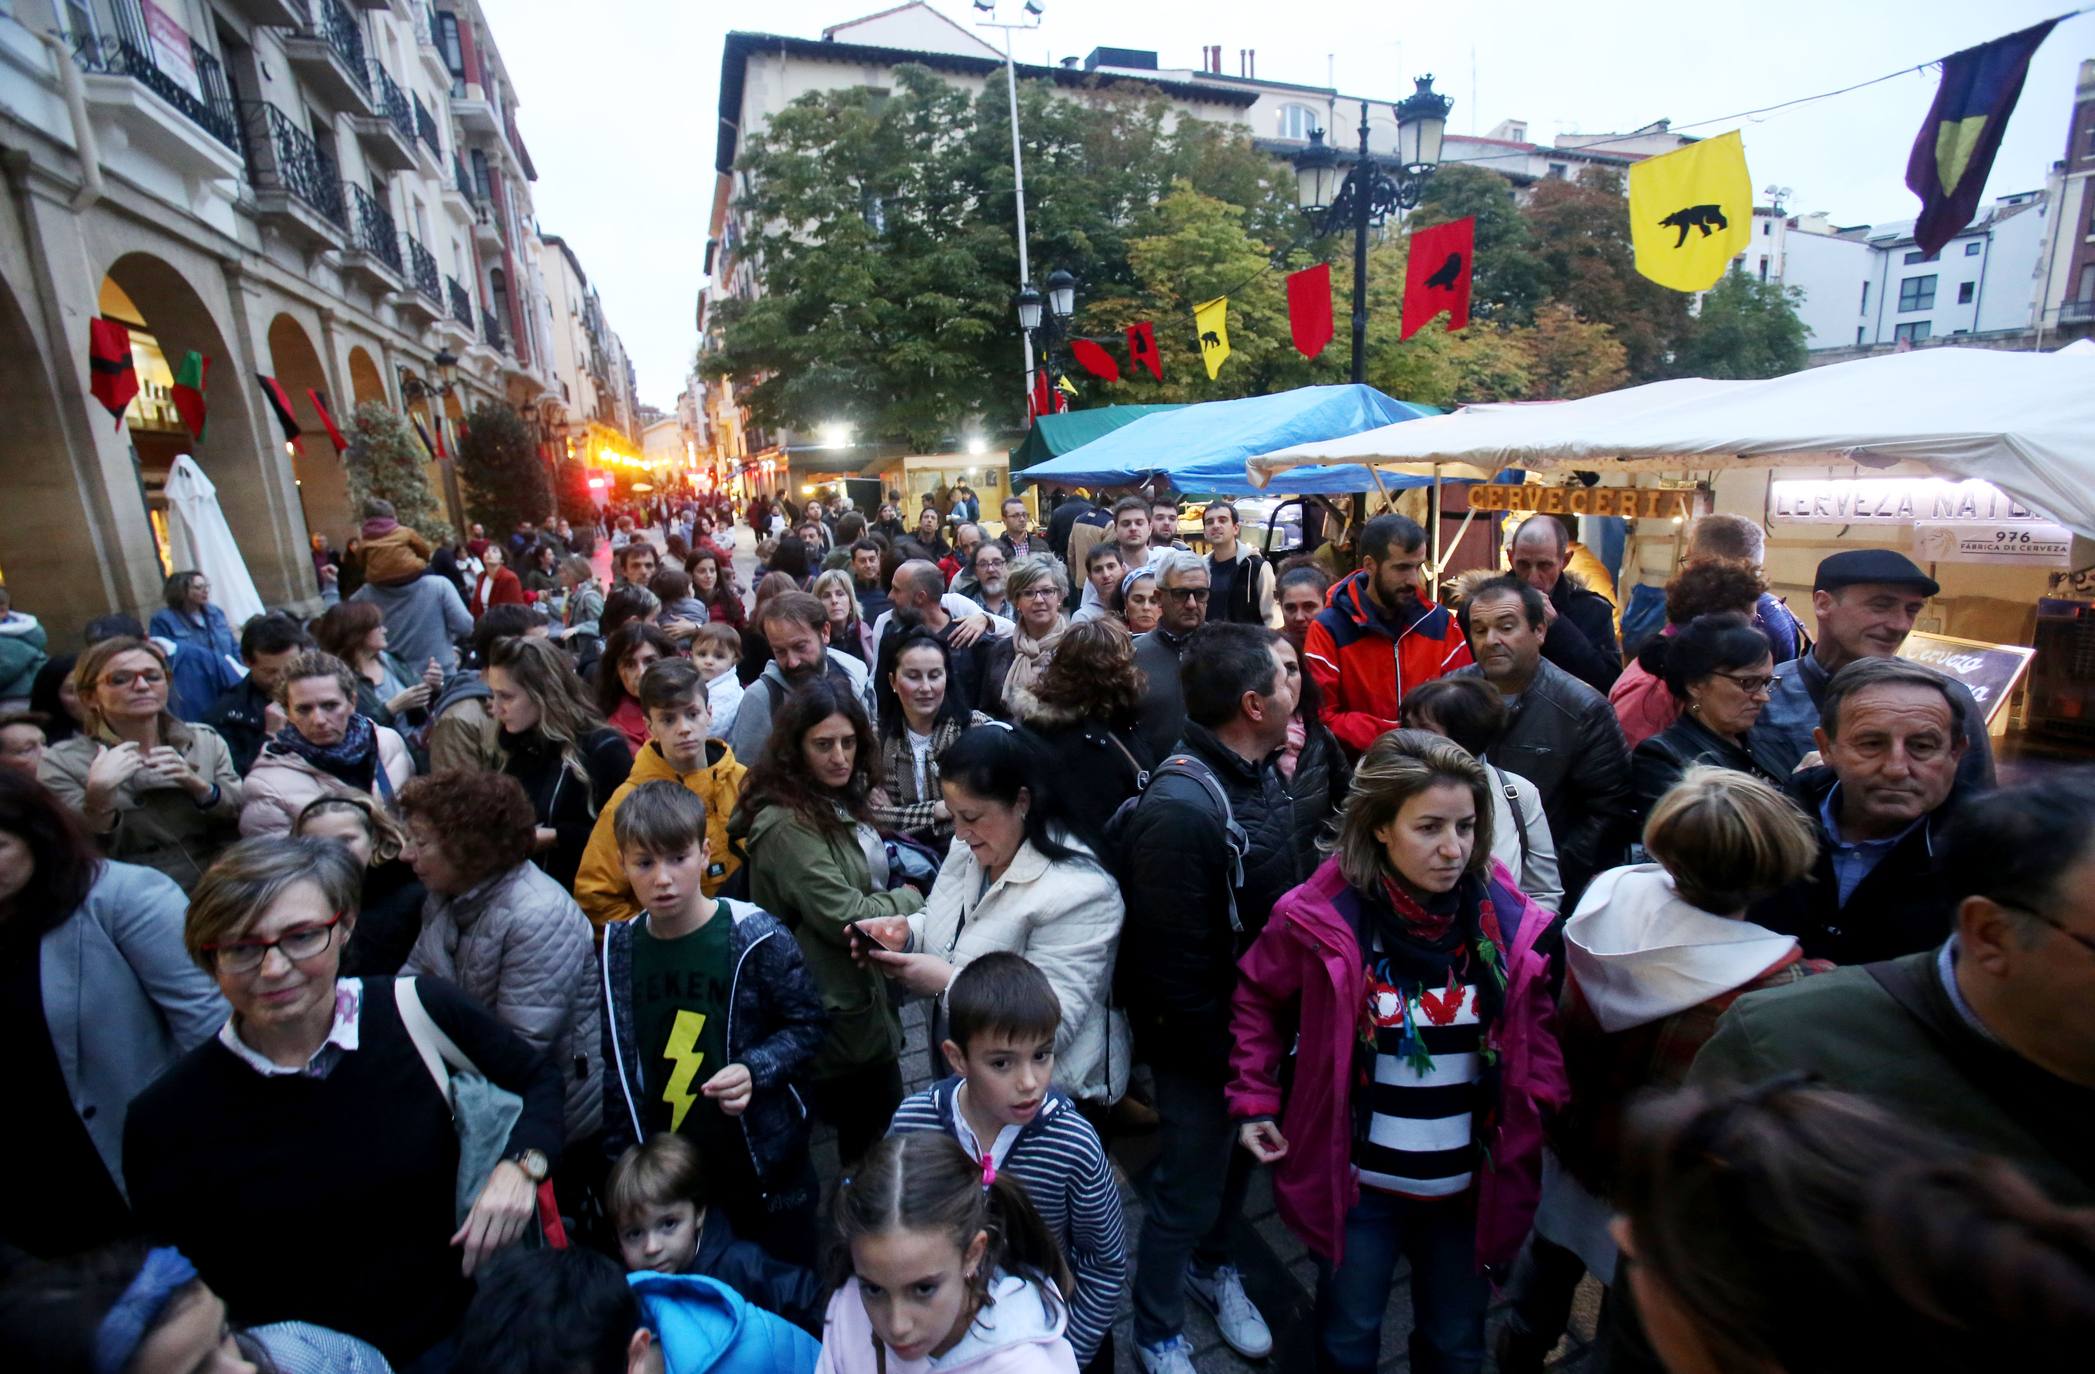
x=1425, y=1059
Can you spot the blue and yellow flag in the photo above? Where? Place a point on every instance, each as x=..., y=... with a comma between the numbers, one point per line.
x=1954, y=152
x=1691, y=212
x=1211, y=320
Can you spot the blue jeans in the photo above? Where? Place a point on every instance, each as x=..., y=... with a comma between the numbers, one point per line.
x=1448, y=1295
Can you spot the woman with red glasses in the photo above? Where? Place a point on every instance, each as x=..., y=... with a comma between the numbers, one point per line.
x=312, y=1125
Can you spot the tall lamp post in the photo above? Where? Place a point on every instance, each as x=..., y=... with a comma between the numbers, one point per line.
x=1045, y=320
x=1361, y=198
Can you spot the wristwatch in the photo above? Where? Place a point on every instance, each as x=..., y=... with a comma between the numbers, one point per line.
x=533, y=1163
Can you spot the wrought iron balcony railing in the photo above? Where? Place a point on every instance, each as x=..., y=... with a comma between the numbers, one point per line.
x=371, y=228
x=392, y=102
x=461, y=303
x=425, y=125
x=301, y=167
x=128, y=52
x=422, y=270
x=331, y=20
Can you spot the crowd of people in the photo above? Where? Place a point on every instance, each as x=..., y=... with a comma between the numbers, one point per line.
x=471, y=977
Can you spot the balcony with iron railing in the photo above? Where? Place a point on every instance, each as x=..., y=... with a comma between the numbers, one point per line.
x=121, y=64
x=327, y=52
x=491, y=329
x=297, y=185
x=373, y=250
x=461, y=303
x=487, y=226
x=2077, y=312
x=425, y=127
x=422, y=271
x=389, y=135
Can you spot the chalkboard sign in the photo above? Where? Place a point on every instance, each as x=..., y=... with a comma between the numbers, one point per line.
x=1989, y=670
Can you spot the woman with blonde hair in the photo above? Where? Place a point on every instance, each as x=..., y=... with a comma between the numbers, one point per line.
x=554, y=743
x=1036, y=590
x=1655, y=955
x=1412, y=936
x=154, y=790
x=848, y=629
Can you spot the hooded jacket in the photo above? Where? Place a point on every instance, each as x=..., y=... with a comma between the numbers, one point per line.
x=706, y=1328
x=282, y=784
x=753, y=716
x=1305, y=974
x=393, y=552
x=1364, y=665
x=775, y=1023
x=203, y=659
x=601, y=889
x=1018, y=1332
x=517, y=944
x=817, y=883
x=22, y=643
x=1062, y=915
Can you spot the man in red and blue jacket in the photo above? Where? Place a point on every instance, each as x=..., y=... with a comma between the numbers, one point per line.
x=1379, y=637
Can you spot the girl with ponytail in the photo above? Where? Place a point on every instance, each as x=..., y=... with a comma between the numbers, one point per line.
x=945, y=1267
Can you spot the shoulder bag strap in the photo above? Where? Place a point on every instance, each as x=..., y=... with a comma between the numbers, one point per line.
x=436, y=1048
x=1520, y=822
x=1141, y=773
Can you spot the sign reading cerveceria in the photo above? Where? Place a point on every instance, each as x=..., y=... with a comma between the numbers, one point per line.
x=1629, y=502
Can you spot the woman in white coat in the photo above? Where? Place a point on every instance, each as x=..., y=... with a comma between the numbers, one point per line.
x=1471, y=712
x=1018, y=879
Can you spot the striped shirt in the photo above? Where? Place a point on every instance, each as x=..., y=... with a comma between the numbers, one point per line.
x=1418, y=1141
x=1059, y=1159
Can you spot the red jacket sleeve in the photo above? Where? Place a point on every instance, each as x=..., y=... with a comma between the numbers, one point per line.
x=1355, y=729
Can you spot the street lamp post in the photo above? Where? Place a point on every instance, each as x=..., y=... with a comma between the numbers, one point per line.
x=1372, y=190
x=1046, y=317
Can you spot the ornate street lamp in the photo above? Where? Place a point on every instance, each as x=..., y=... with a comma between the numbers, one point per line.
x=1028, y=303
x=1062, y=294
x=1371, y=191
x=1045, y=319
x=413, y=388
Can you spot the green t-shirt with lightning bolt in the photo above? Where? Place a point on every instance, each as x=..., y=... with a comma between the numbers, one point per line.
x=680, y=1007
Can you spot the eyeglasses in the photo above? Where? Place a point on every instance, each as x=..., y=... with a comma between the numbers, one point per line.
x=1042, y=593
x=2083, y=941
x=297, y=944
x=124, y=677
x=1187, y=593
x=1751, y=686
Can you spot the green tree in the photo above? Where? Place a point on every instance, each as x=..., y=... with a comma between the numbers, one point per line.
x=1745, y=329
x=571, y=486
x=505, y=480
x=1508, y=273
x=386, y=461
x=1569, y=358
x=1582, y=237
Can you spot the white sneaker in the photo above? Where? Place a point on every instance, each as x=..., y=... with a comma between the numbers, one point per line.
x=1174, y=1356
x=1222, y=1294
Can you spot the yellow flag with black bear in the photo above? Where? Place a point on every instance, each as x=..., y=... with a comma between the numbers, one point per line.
x=1211, y=319
x=1691, y=212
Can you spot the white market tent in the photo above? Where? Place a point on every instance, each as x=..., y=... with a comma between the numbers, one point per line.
x=2023, y=421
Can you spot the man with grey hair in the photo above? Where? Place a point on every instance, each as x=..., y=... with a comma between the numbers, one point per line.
x=917, y=590
x=1892, y=734
x=1182, y=587
x=1579, y=623
x=1735, y=539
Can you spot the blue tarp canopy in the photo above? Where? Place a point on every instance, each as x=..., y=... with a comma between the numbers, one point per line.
x=1205, y=447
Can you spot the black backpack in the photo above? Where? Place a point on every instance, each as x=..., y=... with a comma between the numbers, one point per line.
x=1184, y=766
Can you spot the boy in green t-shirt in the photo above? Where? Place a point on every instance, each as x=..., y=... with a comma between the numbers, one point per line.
x=710, y=1012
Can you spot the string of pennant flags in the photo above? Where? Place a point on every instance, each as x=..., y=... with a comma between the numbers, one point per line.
x=1690, y=214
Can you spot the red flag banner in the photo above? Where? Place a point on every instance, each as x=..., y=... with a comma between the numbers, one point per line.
x=1309, y=308
x=327, y=421
x=113, y=377
x=281, y=404
x=1094, y=360
x=1142, y=349
x=1437, y=275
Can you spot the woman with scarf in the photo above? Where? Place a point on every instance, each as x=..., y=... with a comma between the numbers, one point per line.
x=1036, y=588
x=919, y=717
x=327, y=748
x=1424, y=1064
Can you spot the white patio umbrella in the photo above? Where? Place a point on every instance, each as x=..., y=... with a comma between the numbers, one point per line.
x=198, y=537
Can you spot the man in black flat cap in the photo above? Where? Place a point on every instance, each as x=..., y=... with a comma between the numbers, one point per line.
x=1866, y=601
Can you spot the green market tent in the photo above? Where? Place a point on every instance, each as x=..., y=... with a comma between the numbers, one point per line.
x=1054, y=435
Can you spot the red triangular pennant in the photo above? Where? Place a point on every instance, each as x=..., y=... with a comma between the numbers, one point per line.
x=327, y=421
x=1094, y=360
x=1309, y=308
x=1142, y=349
x=281, y=404
x=112, y=376
x=1437, y=275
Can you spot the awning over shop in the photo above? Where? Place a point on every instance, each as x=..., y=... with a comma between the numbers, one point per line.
x=1204, y=447
x=2022, y=421
x=1054, y=435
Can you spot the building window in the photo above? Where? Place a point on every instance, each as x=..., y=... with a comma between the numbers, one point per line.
x=1917, y=256
x=80, y=21
x=1865, y=299
x=1971, y=250
x=1964, y=292
x=1859, y=332
x=1559, y=171
x=1917, y=293
x=1295, y=121
x=1766, y=226
x=1763, y=267
x=2087, y=283
x=1912, y=332
x=2091, y=142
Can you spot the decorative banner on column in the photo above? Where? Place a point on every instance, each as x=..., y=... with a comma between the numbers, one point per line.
x=1211, y=320
x=1437, y=274
x=1094, y=360
x=1142, y=349
x=1309, y=308
x=327, y=421
x=428, y=448
x=1954, y=152
x=281, y=404
x=112, y=376
x=1691, y=212
x=188, y=393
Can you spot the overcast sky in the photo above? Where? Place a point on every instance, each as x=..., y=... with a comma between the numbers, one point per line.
x=620, y=98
